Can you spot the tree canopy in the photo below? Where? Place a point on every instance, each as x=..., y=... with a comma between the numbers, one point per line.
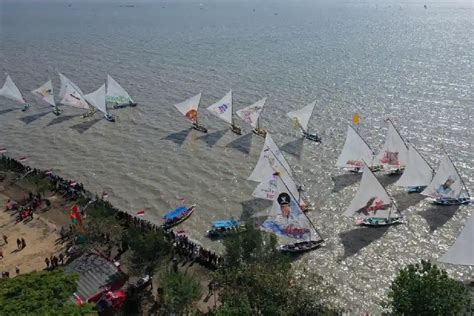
x=424, y=289
x=41, y=293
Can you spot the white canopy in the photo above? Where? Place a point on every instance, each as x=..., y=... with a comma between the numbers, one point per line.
x=446, y=183
x=97, y=99
x=286, y=219
x=302, y=116
x=11, y=91
x=223, y=108
x=355, y=151
x=251, y=113
x=462, y=252
x=115, y=92
x=271, y=160
x=417, y=172
x=73, y=98
x=45, y=93
x=371, y=199
x=189, y=107
x=394, y=152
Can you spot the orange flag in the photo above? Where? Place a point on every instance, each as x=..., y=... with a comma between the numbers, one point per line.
x=356, y=119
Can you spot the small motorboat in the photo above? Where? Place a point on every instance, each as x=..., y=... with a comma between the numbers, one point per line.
x=416, y=189
x=222, y=228
x=177, y=216
x=260, y=132
x=302, y=246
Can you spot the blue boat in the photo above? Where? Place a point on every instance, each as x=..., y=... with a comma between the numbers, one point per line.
x=177, y=216
x=225, y=227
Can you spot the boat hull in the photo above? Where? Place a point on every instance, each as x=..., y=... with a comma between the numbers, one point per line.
x=124, y=105
x=236, y=130
x=312, y=137
x=218, y=233
x=416, y=189
x=178, y=220
x=453, y=201
x=396, y=172
x=260, y=132
x=199, y=128
x=300, y=247
x=379, y=222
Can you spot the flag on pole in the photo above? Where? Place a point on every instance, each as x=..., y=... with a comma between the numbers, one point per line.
x=356, y=119
x=141, y=213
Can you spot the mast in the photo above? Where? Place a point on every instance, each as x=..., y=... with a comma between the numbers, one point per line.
x=396, y=130
x=462, y=181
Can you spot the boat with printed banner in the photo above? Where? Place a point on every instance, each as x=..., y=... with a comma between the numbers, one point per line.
x=251, y=115
x=372, y=205
x=46, y=94
x=117, y=95
x=97, y=100
x=223, y=110
x=418, y=173
x=301, y=119
x=189, y=108
x=177, y=216
x=10, y=91
x=447, y=186
x=394, y=154
x=70, y=94
x=222, y=228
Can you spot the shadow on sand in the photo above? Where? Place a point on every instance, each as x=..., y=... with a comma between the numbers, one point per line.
x=82, y=127
x=294, y=148
x=31, y=118
x=61, y=119
x=212, y=138
x=356, y=239
x=242, y=144
x=345, y=180
x=438, y=215
x=178, y=138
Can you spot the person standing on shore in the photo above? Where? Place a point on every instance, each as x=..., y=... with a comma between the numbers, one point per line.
x=46, y=260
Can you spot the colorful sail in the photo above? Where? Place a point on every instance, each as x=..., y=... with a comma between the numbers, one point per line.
x=11, y=91
x=267, y=188
x=271, y=160
x=371, y=199
x=355, y=151
x=223, y=108
x=394, y=152
x=251, y=113
x=115, y=93
x=45, y=93
x=286, y=219
x=302, y=116
x=189, y=107
x=462, y=252
x=446, y=183
x=74, y=98
x=417, y=172
x=97, y=99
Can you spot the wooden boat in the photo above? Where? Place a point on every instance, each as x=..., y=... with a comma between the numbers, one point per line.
x=300, y=247
x=356, y=153
x=251, y=115
x=222, y=228
x=10, y=91
x=301, y=119
x=177, y=216
x=418, y=173
x=223, y=110
x=70, y=94
x=118, y=95
x=189, y=108
x=98, y=100
x=45, y=93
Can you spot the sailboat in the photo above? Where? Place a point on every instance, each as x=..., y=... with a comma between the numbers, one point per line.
x=301, y=118
x=45, y=93
x=189, y=108
x=394, y=153
x=372, y=205
x=462, y=252
x=72, y=95
x=271, y=160
x=355, y=153
x=288, y=221
x=447, y=186
x=251, y=115
x=117, y=95
x=418, y=173
x=223, y=110
x=97, y=100
x=11, y=91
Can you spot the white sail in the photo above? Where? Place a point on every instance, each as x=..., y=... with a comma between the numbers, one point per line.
x=446, y=183
x=286, y=219
x=65, y=82
x=11, y=91
x=462, y=252
x=251, y=113
x=97, y=99
x=267, y=189
x=189, y=107
x=223, y=108
x=45, y=93
x=417, y=172
x=355, y=151
x=73, y=98
x=115, y=92
x=271, y=160
x=303, y=115
x=371, y=199
x=394, y=152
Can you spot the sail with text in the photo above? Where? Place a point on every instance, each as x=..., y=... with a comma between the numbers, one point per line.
x=223, y=108
x=115, y=93
x=355, y=152
x=251, y=113
x=70, y=94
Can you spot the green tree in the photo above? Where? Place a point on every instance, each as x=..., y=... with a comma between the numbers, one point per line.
x=180, y=290
x=424, y=289
x=41, y=293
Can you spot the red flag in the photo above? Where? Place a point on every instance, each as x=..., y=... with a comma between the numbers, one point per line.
x=141, y=213
x=75, y=214
x=22, y=159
